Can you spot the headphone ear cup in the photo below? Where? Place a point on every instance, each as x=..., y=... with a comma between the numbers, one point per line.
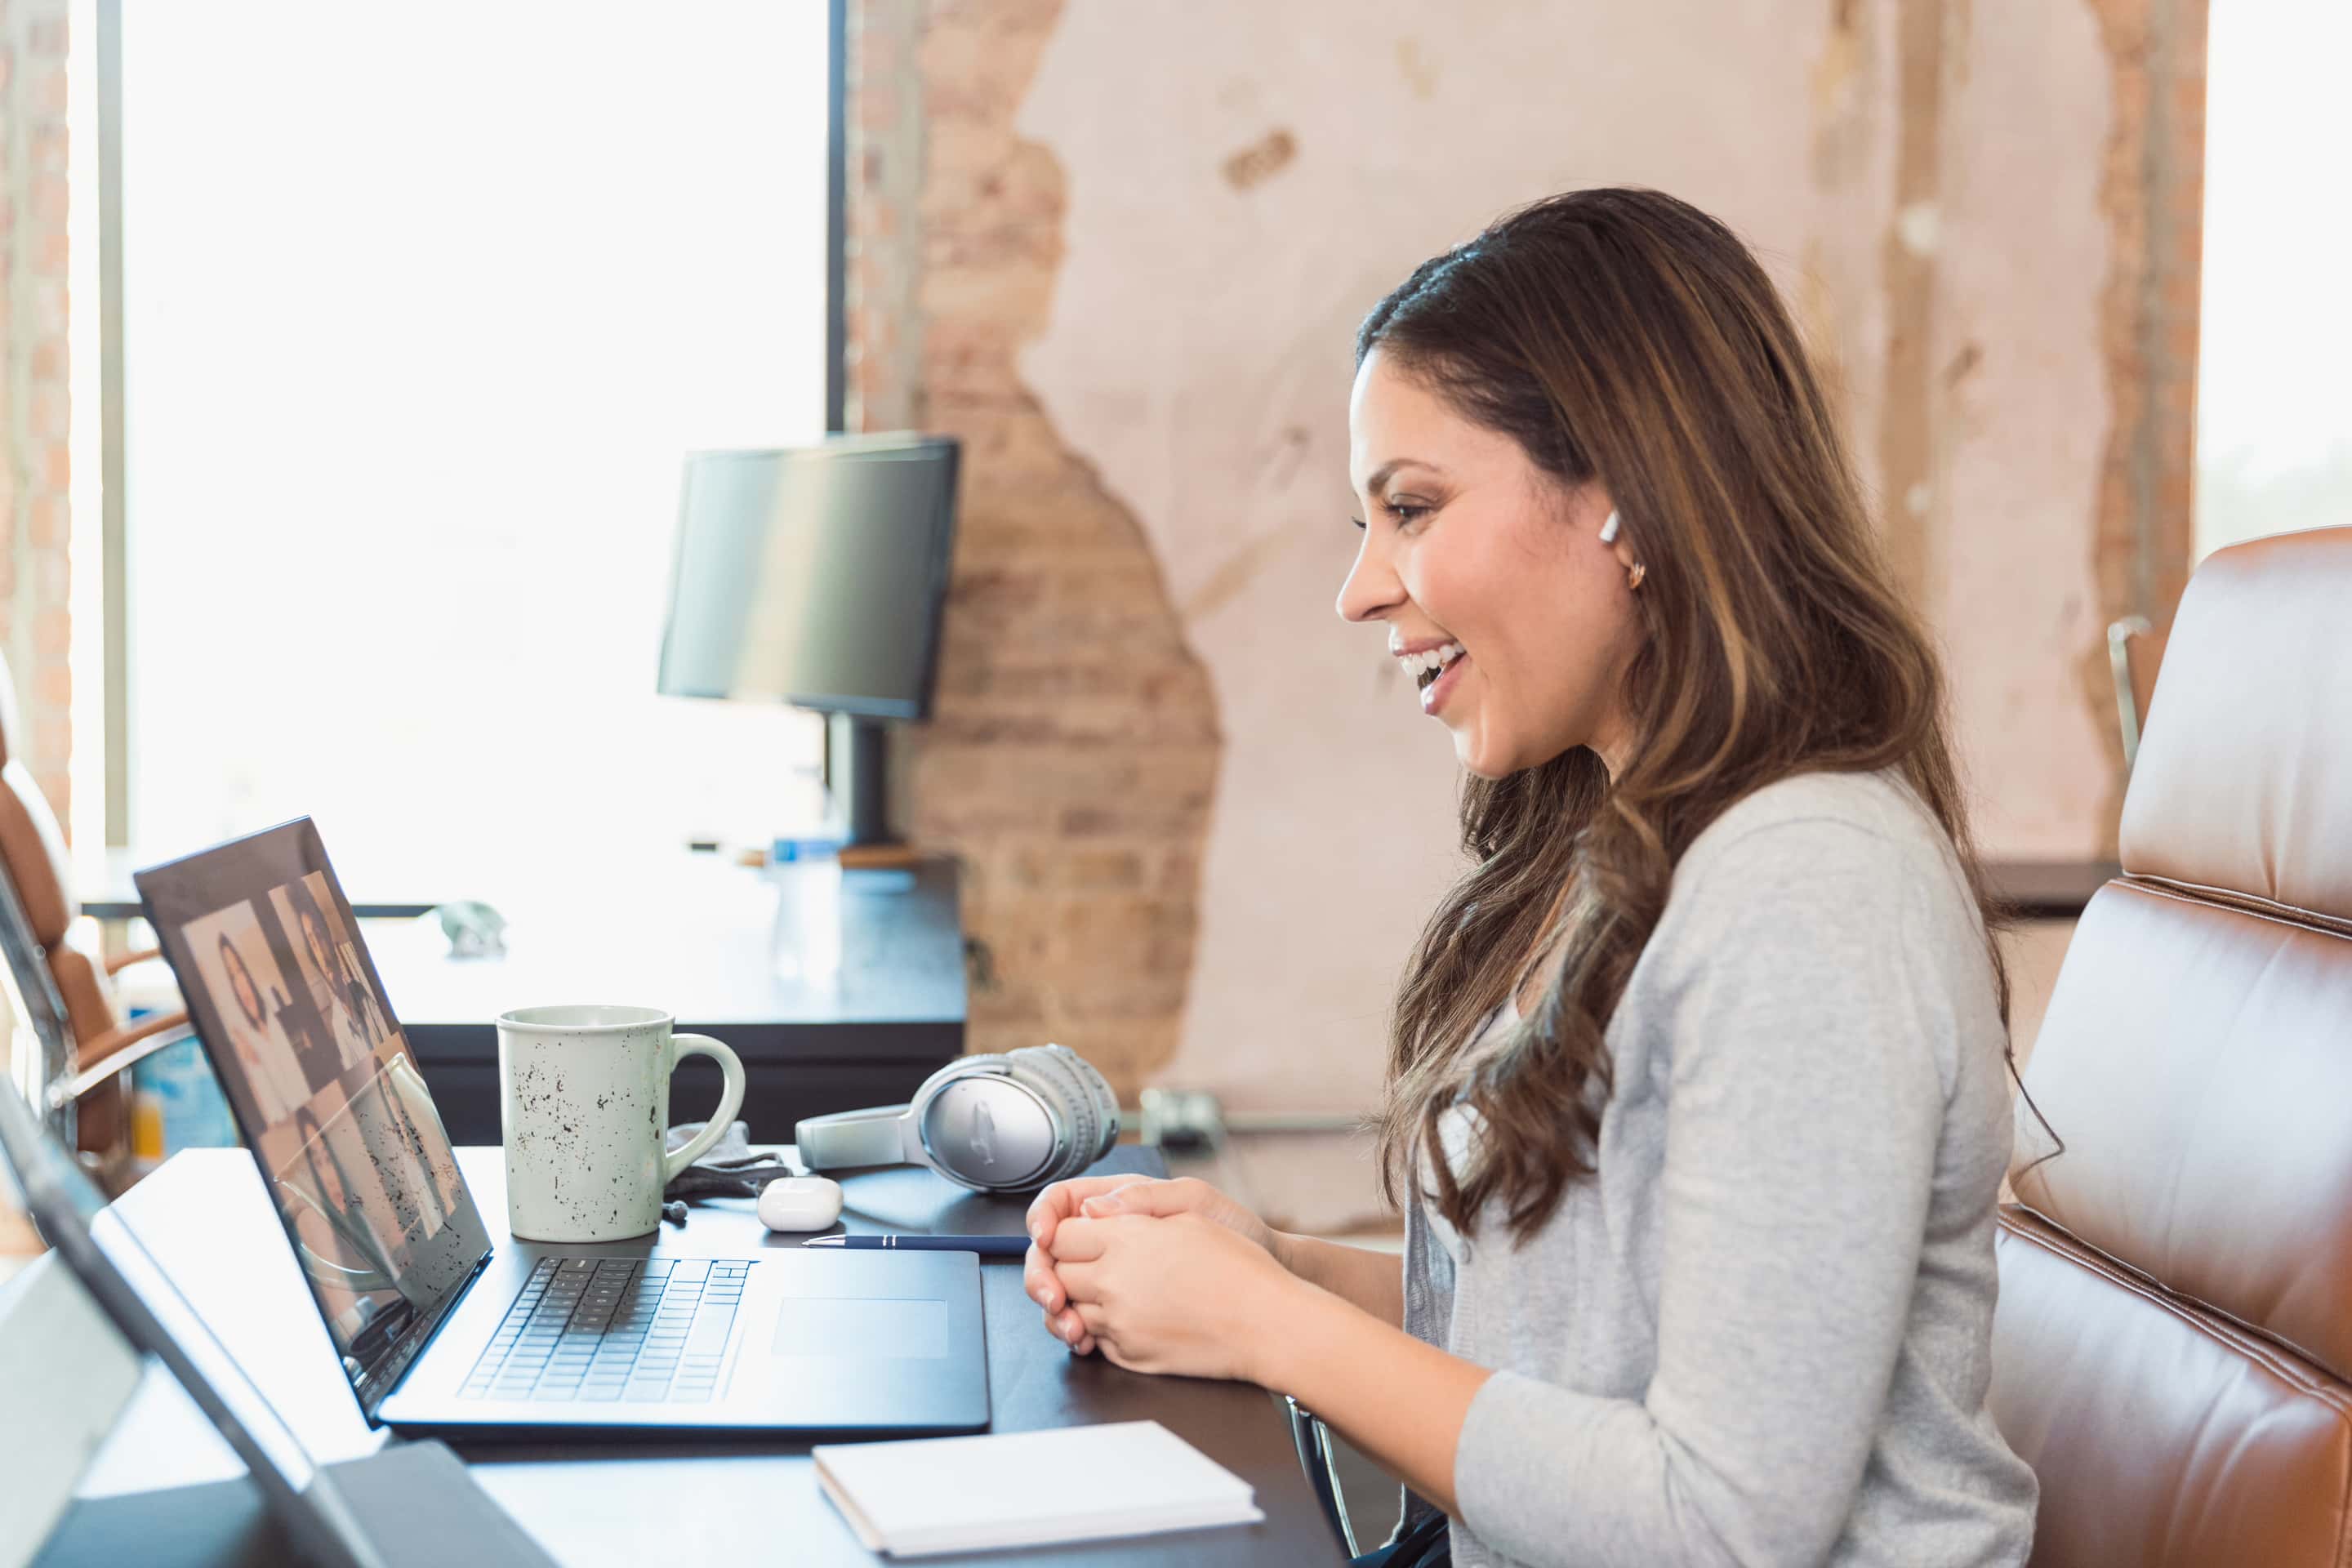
x=1088, y=1105
x=1106, y=1100
x=992, y=1062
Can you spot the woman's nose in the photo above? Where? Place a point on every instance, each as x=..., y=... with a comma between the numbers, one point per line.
x=1371, y=586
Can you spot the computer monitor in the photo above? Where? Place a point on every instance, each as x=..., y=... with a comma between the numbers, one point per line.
x=814, y=576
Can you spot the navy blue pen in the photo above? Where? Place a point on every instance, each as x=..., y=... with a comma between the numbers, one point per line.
x=987, y=1246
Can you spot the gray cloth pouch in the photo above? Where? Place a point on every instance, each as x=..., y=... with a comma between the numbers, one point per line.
x=730, y=1169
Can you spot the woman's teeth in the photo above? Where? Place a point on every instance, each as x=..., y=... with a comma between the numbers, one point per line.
x=1428, y=666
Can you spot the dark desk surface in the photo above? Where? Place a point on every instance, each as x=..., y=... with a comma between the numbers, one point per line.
x=205, y=1216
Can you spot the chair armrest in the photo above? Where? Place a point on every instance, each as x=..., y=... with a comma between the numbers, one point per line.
x=116, y=965
x=108, y=1045
x=117, y=1050
x=1312, y=1441
x=2132, y=694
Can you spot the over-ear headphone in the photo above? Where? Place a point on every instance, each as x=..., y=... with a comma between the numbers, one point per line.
x=1007, y=1123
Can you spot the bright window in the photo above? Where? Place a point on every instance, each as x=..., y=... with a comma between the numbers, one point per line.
x=2273, y=415
x=422, y=307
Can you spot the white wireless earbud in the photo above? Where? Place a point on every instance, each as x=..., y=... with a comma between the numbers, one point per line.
x=1609, y=529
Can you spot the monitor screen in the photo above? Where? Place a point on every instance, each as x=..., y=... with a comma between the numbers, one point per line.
x=813, y=576
x=294, y=1017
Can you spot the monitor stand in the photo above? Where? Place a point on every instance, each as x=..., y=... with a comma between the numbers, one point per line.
x=857, y=752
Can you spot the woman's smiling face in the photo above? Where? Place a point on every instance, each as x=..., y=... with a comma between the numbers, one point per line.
x=1468, y=545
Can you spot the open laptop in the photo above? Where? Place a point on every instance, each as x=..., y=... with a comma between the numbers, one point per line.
x=443, y=1329
x=360, y=1514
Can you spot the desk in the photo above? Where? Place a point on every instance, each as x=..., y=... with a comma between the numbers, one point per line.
x=205, y=1216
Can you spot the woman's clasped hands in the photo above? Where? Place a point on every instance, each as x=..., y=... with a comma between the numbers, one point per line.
x=1160, y=1275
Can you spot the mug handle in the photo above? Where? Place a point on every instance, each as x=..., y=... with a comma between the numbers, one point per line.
x=730, y=1098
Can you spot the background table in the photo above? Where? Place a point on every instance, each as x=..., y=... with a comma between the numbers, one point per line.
x=635, y=1502
x=704, y=945
x=701, y=937
x=2048, y=889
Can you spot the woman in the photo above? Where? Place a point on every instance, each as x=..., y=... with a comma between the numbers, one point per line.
x=1696, y=1098
x=364, y=1005
x=260, y=1048
x=330, y=993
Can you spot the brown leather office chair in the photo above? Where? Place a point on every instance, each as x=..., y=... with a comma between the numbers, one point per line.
x=33, y=857
x=2174, y=1339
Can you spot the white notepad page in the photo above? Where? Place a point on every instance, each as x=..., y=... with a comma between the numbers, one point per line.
x=1028, y=1489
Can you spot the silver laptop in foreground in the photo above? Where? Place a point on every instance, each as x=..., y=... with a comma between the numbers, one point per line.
x=408, y=1505
x=442, y=1330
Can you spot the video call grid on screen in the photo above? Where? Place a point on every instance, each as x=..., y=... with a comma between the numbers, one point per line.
x=304, y=1041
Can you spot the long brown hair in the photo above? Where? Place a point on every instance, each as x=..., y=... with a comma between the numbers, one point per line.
x=1620, y=335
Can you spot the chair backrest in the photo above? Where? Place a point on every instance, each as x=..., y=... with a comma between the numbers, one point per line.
x=2174, y=1339
x=39, y=868
x=33, y=853
x=34, y=857
x=32, y=996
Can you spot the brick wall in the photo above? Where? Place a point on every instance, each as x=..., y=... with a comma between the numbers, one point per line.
x=35, y=626
x=1073, y=755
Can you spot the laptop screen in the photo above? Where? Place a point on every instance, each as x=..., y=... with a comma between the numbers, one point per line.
x=294, y=1017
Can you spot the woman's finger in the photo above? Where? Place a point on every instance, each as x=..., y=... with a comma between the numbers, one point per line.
x=1080, y=1281
x=1160, y=1195
x=1038, y=1279
x=1078, y=1241
x=1093, y=1317
x=1062, y=1199
x=1067, y=1326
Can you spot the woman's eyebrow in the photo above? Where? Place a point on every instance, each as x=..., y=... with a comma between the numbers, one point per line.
x=1382, y=475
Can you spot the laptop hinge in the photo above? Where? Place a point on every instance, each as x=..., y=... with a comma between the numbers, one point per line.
x=376, y=1384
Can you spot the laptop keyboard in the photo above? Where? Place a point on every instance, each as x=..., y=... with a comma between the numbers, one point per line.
x=613, y=1329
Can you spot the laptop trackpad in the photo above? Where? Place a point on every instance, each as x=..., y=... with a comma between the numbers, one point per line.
x=887, y=1328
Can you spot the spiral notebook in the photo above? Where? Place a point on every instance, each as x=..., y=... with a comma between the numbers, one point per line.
x=929, y=1495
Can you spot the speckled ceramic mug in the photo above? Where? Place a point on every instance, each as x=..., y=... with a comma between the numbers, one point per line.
x=583, y=1100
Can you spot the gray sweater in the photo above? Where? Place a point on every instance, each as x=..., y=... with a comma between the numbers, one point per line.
x=1760, y=1334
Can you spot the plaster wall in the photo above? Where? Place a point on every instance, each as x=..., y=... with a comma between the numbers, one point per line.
x=1242, y=182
